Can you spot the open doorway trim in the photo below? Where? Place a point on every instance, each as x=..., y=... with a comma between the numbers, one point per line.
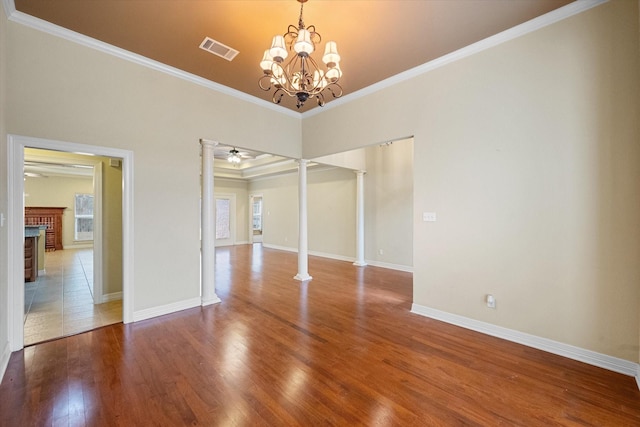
x=15, y=221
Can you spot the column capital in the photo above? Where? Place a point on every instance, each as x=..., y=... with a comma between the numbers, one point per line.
x=359, y=172
x=302, y=161
x=208, y=143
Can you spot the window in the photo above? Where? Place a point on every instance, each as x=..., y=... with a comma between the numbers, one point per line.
x=223, y=224
x=257, y=214
x=83, y=217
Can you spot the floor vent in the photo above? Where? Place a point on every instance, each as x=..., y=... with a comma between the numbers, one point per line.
x=219, y=49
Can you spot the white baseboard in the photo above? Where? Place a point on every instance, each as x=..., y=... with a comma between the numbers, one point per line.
x=332, y=256
x=576, y=353
x=242, y=242
x=390, y=266
x=4, y=359
x=407, y=268
x=279, y=248
x=114, y=296
x=79, y=246
x=166, y=309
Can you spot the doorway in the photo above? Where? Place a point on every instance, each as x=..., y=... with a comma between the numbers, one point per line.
x=16, y=298
x=67, y=295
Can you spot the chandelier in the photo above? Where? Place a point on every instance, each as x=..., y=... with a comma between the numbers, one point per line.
x=300, y=76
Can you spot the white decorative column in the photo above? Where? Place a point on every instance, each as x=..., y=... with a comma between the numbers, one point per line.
x=303, y=261
x=360, y=219
x=208, y=226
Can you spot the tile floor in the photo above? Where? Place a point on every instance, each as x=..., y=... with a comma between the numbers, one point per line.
x=59, y=302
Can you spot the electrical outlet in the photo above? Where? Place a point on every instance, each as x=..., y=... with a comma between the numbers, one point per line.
x=380, y=252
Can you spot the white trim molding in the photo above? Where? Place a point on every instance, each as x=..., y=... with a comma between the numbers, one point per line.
x=78, y=246
x=600, y=360
x=495, y=40
x=161, y=310
x=390, y=266
x=4, y=359
x=114, y=296
x=279, y=248
x=15, y=222
x=406, y=268
x=64, y=33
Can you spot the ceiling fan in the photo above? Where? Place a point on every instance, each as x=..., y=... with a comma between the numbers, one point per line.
x=232, y=154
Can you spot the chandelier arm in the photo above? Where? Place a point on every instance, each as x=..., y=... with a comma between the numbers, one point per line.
x=291, y=34
x=336, y=94
x=287, y=86
x=277, y=96
x=262, y=79
x=317, y=87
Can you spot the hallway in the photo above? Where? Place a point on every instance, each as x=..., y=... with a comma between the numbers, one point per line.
x=59, y=303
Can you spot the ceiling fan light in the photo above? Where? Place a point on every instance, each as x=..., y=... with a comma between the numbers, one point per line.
x=303, y=44
x=331, y=56
x=278, y=49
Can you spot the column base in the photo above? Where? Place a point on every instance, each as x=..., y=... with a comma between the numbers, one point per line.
x=360, y=264
x=211, y=300
x=302, y=277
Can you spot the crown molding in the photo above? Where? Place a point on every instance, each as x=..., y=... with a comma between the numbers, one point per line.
x=552, y=17
x=64, y=33
x=535, y=24
x=9, y=7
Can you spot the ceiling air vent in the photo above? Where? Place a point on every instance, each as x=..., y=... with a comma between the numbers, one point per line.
x=219, y=49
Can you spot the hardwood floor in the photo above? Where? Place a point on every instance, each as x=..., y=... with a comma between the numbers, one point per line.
x=342, y=349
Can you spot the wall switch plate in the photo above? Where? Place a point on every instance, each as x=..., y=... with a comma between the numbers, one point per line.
x=491, y=301
x=429, y=216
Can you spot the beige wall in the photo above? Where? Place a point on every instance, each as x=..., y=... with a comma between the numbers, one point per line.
x=388, y=203
x=63, y=91
x=330, y=211
x=528, y=153
x=111, y=227
x=279, y=209
x=57, y=191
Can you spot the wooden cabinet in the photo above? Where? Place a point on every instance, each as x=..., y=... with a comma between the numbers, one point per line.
x=52, y=219
x=30, y=259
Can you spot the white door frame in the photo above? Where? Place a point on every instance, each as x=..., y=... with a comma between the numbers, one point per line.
x=15, y=222
x=96, y=287
x=232, y=219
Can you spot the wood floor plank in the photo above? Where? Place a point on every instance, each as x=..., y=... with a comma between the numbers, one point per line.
x=342, y=349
